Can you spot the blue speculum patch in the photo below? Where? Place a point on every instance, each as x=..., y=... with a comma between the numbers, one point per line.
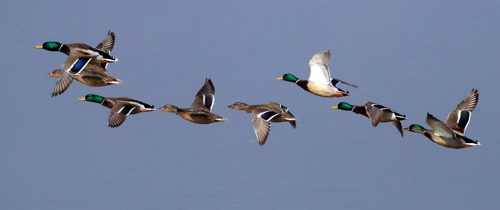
x=268, y=115
x=208, y=101
x=80, y=63
x=127, y=109
x=464, y=119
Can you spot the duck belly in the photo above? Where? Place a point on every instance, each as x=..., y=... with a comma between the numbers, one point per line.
x=387, y=116
x=320, y=89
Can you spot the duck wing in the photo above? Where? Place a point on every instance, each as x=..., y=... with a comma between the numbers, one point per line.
x=459, y=118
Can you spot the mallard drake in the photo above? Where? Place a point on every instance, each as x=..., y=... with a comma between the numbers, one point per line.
x=101, y=52
x=320, y=83
x=451, y=134
x=79, y=56
x=376, y=112
x=263, y=115
x=95, y=75
x=200, y=110
x=120, y=107
x=92, y=75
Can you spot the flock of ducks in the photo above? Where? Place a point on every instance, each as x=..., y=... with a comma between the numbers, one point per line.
x=88, y=65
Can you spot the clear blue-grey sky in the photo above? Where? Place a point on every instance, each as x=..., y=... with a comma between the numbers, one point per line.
x=415, y=57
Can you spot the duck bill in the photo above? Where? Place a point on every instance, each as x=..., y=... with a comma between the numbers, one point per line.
x=39, y=47
x=81, y=99
x=279, y=78
x=334, y=107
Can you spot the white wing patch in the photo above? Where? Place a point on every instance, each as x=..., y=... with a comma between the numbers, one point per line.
x=129, y=111
x=320, y=72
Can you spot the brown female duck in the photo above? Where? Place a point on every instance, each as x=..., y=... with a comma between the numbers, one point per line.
x=200, y=110
x=263, y=115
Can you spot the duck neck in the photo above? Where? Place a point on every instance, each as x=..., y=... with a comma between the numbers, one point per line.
x=360, y=110
x=107, y=103
x=248, y=109
x=302, y=84
x=65, y=49
x=428, y=135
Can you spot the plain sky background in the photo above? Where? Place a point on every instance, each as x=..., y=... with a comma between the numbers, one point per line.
x=413, y=56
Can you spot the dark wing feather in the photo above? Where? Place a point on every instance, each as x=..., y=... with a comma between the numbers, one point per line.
x=116, y=119
x=335, y=81
x=289, y=114
x=293, y=123
x=205, y=98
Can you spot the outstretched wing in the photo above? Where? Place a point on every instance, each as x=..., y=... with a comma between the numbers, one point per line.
x=205, y=98
x=459, y=118
x=319, y=68
x=261, y=120
x=120, y=111
x=70, y=69
x=107, y=43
